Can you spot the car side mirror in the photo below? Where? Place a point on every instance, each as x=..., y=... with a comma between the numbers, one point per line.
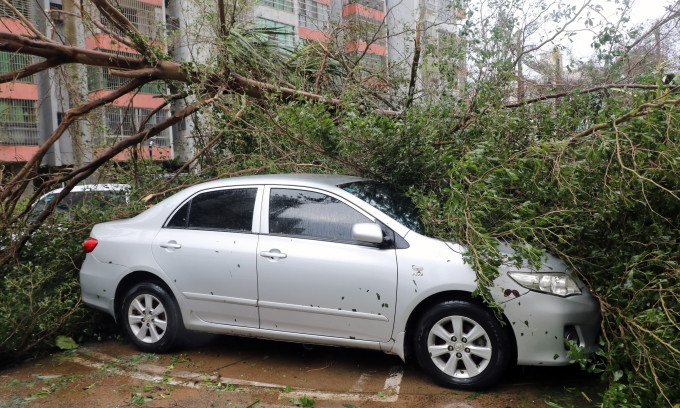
x=367, y=232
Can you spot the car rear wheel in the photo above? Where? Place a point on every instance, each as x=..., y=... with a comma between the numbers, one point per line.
x=462, y=345
x=151, y=317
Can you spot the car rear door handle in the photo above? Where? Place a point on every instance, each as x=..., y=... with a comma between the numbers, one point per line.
x=171, y=245
x=273, y=254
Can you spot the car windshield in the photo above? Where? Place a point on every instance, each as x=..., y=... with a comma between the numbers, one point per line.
x=387, y=200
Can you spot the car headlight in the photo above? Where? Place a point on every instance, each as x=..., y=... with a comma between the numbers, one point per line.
x=555, y=283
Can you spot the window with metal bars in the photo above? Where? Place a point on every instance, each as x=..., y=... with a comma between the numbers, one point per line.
x=369, y=62
x=101, y=79
x=18, y=122
x=372, y=4
x=285, y=5
x=144, y=16
x=11, y=62
x=24, y=7
x=313, y=15
x=125, y=121
x=366, y=29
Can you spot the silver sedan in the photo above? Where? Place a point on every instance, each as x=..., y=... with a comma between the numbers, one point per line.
x=332, y=260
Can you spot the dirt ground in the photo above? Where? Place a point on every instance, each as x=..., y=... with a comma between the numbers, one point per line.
x=238, y=372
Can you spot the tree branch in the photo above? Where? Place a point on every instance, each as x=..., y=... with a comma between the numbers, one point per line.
x=555, y=35
x=28, y=70
x=19, y=15
x=139, y=42
x=671, y=16
x=637, y=112
x=581, y=92
x=102, y=27
x=136, y=139
x=223, y=18
x=416, y=60
x=258, y=89
x=75, y=176
x=69, y=117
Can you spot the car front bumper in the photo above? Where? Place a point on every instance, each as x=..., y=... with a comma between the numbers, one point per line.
x=541, y=322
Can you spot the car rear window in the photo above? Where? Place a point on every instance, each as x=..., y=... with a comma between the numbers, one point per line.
x=217, y=210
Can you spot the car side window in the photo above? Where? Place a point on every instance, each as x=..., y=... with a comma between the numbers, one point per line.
x=217, y=210
x=311, y=215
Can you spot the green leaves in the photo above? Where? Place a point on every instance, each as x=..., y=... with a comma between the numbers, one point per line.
x=608, y=205
x=65, y=343
x=304, y=401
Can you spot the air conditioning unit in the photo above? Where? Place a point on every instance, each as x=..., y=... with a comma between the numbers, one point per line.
x=56, y=15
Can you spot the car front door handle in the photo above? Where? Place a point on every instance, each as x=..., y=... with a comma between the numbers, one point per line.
x=171, y=245
x=274, y=254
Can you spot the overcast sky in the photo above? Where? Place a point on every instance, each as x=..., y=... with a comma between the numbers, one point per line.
x=642, y=11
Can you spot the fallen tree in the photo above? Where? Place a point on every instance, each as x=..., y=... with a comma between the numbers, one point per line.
x=585, y=168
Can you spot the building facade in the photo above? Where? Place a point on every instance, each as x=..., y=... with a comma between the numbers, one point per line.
x=377, y=35
x=31, y=108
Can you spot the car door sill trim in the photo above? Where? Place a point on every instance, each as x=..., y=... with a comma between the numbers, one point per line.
x=322, y=310
x=220, y=299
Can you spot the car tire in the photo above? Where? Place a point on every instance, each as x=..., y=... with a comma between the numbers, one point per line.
x=151, y=318
x=462, y=345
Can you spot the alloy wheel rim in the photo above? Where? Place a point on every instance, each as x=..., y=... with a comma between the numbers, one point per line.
x=147, y=318
x=459, y=347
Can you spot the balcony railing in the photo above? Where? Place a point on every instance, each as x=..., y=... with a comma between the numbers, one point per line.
x=124, y=121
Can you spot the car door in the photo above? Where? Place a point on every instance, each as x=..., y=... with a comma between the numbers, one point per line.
x=207, y=249
x=313, y=278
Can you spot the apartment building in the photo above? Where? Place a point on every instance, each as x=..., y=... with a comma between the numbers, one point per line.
x=19, y=133
x=378, y=34
x=31, y=108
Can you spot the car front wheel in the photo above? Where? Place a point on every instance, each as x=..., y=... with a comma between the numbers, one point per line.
x=462, y=345
x=151, y=317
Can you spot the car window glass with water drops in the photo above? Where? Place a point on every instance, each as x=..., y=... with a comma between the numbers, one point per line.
x=387, y=200
x=313, y=215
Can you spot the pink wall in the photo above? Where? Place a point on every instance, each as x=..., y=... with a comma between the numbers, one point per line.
x=148, y=101
x=361, y=46
x=106, y=42
x=11, y=25
x=23, y=153
x=19, y=90
x=309, y=34
x=362, y=11
x=159, y=153
x=17, y=153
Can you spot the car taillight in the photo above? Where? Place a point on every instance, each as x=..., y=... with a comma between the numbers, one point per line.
x=89, y=245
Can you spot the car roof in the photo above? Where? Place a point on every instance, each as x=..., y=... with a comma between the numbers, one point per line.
x=306, y=179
